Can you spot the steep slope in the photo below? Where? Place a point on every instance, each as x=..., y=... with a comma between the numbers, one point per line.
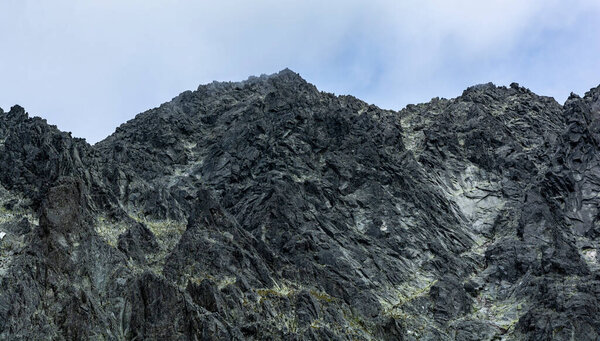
x=493, y=151
x=266, y=209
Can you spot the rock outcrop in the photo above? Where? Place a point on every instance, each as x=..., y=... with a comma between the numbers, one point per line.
x=266, y=209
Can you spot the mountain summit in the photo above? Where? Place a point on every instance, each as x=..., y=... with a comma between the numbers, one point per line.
x=266, y=209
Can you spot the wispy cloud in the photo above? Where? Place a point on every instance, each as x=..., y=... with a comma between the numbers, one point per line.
x=89, y=65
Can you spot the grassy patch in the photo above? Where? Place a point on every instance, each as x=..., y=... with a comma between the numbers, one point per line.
x=110, y=231
x=322, y=296
x=278, y=290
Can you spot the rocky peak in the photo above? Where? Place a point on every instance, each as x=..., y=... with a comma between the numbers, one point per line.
x=284, y=79
x=266, y=209
x=17, y=111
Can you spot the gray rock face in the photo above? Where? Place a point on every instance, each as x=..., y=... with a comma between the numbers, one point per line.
x=266, y=209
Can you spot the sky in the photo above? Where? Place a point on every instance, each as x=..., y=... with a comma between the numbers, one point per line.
x=88, y=66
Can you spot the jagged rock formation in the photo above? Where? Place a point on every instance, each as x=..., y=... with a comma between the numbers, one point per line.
x=266, y=209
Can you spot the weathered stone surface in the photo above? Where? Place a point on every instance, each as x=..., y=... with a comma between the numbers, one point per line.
x=266, y=209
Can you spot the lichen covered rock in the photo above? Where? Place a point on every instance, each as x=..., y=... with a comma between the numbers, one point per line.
x=266, y=209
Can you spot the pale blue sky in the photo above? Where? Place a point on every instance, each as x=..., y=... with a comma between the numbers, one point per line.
x=88, y=66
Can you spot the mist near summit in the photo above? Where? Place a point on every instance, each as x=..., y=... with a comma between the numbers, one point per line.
x=88, y=66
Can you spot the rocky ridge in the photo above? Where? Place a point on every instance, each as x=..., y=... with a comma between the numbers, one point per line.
x=266, y=209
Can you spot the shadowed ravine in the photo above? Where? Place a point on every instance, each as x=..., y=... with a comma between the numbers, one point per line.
x=266, y=209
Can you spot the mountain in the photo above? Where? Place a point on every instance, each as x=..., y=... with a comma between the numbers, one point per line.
x=266, y=209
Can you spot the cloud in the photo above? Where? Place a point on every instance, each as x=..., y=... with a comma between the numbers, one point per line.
x=90, y=65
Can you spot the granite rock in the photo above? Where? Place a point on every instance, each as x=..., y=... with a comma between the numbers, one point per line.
x=266, y=209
